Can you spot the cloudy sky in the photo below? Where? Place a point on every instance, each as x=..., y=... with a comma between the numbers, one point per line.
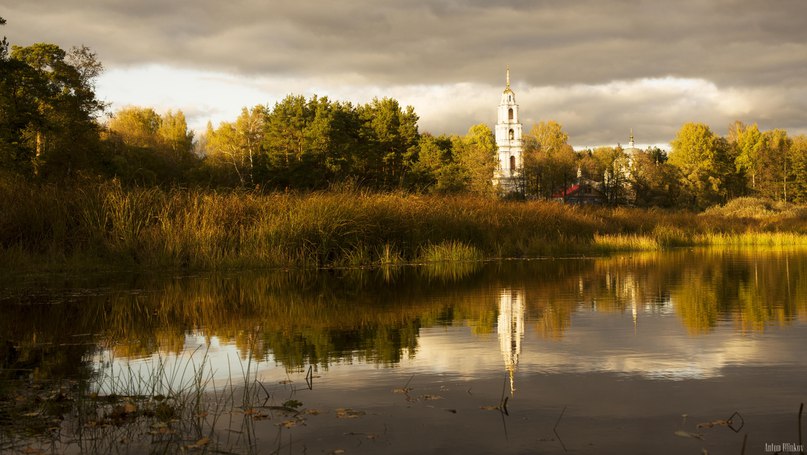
x=598, y=67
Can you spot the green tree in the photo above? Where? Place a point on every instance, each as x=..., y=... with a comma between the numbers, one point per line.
x=655, y=182
x=285, y=137
x=434, y=154
x=704, y=162
x=657, y=155
x=237, y=146
x=391, y=135
x=798, y=157
x=550, y=164
x=476, y=155
x=311, y=143
x=746, y=141
x=62, y=132
x=3, y=43
x=775, y=167
x=174, y=135
x=144, y=147
x=615, y=173
x=135, y=127
x=20, y=90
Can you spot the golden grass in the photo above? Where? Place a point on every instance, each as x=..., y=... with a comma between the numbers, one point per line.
x=103, y=225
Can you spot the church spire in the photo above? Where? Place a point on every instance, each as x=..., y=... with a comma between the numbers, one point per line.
x=508, y=76
x=632, y=145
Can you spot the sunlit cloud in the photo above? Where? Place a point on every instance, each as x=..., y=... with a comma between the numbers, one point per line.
x=593, y=114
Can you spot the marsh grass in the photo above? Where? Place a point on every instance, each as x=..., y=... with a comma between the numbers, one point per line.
x=103, y=225
x=753, y=239
x=450, y=251
x=157, y=406
x=625, y=242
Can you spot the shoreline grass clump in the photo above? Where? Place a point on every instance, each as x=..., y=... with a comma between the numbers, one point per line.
x=451, y=251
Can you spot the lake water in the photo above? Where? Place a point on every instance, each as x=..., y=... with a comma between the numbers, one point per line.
x=675, y=352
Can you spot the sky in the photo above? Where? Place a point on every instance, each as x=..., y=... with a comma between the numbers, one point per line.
x=600, y=68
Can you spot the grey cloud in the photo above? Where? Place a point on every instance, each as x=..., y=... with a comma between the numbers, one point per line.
x=736, y=44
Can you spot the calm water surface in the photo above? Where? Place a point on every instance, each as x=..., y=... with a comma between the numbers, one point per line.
x=629, y=354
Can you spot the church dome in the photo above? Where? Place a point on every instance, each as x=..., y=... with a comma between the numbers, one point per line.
x=631, y=149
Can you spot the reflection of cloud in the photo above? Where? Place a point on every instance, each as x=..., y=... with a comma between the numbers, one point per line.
x=607, y=343
x=659, y=349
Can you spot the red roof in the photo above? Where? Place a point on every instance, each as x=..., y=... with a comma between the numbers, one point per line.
x=567, y=191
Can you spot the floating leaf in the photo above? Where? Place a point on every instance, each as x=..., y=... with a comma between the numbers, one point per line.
x=200, y=443
x=431, y=397
x=293, y=404
x=687, y=434
x=714, y=423
x=489, y=408
x=347, y=413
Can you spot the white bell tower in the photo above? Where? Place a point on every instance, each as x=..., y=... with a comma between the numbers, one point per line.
x=509, y=144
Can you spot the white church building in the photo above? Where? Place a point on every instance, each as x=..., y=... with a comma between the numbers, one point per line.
x=507, y=177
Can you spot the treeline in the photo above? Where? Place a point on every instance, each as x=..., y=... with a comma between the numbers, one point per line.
x=703, y=168
x=52, y=128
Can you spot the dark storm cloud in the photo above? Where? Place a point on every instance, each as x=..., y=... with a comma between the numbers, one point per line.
x=735, y=44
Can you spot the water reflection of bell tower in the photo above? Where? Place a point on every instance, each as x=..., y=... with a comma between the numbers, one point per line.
x=511, y=329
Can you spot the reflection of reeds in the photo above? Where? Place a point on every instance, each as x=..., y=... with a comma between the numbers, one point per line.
x=164, y=408
x=158, y=407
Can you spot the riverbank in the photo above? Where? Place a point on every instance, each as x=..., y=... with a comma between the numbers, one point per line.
x=102, y=226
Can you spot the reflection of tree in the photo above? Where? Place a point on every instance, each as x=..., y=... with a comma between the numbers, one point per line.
x=753, y=290
x=324, y=317
x=697, y=303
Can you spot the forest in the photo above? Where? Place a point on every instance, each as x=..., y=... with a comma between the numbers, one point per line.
x=53, y=128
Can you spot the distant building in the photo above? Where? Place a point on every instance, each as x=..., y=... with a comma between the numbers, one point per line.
x=584, y=192
x=507, y=177
x=615, y=187
x=631, y=151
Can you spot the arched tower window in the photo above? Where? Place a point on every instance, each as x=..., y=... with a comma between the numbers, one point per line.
x=512, y=135
x=512, y=164
x=510, y=114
